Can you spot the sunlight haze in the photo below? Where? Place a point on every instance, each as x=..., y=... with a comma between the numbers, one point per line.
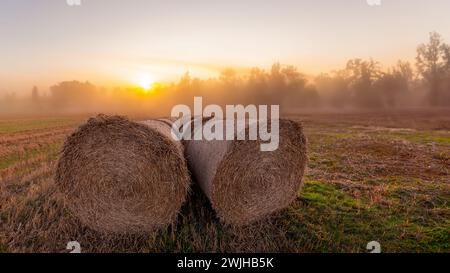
x=112, y=42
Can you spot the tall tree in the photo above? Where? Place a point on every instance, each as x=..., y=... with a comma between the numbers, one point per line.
x=35, y=95
x=433, y=64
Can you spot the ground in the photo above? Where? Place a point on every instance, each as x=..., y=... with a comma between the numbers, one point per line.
x=371, y=177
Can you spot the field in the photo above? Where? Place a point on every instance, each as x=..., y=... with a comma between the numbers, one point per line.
x=372, y=177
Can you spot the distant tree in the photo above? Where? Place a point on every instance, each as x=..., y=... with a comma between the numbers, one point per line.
x=10, y=97
x=394, y=83
x=74, y=95
x=362, y=75
x=307, y=97
x=270, y=84
x=185, y=82
x=433, y=64
x=286, y=85
x=230, y=85
x=257, y=86
x=229, y=77
x=293, y=79
x=35, y=95
x=296, y=91
x=445, y=88
x=8, y=102
x=404, y=70
x=334, y=88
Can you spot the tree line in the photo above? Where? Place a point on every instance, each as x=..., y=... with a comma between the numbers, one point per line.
x=360, y=84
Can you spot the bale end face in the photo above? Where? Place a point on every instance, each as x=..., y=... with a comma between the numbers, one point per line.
x=249, y=184
x=120, y=176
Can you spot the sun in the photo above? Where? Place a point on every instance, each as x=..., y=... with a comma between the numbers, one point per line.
x=144, y=80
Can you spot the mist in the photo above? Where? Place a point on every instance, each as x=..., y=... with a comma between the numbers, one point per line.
x=361, y=84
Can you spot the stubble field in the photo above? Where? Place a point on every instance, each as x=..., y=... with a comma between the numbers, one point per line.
x=371, y=177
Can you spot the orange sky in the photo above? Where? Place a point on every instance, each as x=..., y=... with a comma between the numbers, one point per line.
x=115, y=42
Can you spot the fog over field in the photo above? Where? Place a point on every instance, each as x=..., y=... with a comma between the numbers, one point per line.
x=360, y=85
x=306, y=55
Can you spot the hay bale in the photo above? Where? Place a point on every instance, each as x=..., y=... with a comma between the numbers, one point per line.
x=245, y=184
x=120, y=176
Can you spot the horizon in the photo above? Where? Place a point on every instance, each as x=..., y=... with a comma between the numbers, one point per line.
x=140, y=42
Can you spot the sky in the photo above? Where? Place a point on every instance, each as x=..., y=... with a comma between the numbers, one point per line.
x=118, y=42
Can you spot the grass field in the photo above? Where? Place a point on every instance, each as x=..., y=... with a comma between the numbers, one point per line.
x=382, y=177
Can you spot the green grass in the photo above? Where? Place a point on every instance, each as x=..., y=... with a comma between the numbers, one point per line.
x=3, y=248
x=421, y=137
x=49, y=150
x=21, y=125
x=327, y=219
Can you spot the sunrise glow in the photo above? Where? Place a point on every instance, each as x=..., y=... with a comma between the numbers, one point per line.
x=144, y=80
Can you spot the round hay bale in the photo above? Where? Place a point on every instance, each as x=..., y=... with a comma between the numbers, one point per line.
x=245, y=184
x=121, y=176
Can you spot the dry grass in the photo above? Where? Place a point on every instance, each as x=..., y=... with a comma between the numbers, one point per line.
x=364, y=182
